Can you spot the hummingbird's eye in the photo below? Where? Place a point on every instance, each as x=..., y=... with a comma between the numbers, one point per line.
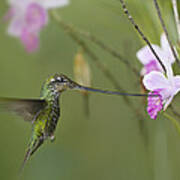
x=60, y=79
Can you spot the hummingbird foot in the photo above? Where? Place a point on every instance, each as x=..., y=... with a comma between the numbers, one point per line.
x=52, y=138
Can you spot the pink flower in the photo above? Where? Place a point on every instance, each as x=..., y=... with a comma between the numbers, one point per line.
x=154, y=104
x=30, y=40
x=35, y=17
x=166, y=86
x=28, y=18
x=147, y=58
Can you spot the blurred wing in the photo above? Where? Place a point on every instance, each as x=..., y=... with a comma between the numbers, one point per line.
x=26, y=108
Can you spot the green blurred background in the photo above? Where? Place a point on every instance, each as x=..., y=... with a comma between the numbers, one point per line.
x=110, y=144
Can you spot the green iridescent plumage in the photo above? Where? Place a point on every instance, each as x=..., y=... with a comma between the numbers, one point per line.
x=45, y=120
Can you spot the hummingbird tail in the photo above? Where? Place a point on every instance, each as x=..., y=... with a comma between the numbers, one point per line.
x=37, y=145
x=32, y=148
x=26, y=158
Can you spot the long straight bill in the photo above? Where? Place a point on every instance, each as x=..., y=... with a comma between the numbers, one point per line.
x=111, y=92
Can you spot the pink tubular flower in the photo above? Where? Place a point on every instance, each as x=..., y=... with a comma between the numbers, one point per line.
x=147, y=58
x=28, y=17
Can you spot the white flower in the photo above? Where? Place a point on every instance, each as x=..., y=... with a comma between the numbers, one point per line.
x=147, y=58
x=166, y=87
x=47, y=4
x=28, y=17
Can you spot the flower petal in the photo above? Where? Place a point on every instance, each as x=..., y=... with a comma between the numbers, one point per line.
x=154, y=104
x=168, y=55
x=15, y=26
x=35, y=17
x=152, y=66
x=53, y=3
x=164, y=42
x=19, y=3
x=30, y=40
x=177, y=81
x=169, y=71
x=145, y=55
x=155, y=80
x=168, y=101
x=175, y=88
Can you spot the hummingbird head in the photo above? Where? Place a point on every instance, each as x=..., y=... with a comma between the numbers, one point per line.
x=60, y=82
x=56, y=84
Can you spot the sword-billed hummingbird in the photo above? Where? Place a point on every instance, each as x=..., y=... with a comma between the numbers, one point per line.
x=44, y=112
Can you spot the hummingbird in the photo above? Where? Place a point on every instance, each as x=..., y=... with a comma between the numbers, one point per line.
x=44, y=113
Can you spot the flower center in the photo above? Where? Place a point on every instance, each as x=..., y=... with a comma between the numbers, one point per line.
x=152, y=66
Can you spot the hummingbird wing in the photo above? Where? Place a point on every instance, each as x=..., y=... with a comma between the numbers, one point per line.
x=26, y=108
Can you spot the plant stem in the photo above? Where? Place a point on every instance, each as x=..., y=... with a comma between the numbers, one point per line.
x=176, y=16
x=107, y=48
x=137, y=28
x=174, y=121
x=166, y=32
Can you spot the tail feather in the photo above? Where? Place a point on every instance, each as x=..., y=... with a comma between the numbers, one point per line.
x=26, y=158
x=38, y=144
x=34, y=145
